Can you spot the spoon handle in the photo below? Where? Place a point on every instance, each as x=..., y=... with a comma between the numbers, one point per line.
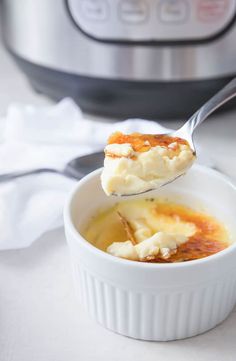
x=18, y=174
x=220, y=98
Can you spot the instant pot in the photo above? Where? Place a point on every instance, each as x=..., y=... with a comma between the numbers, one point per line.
x=120, y=58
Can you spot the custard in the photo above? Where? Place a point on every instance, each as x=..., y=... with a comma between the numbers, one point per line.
x=137, y=162
x=156, y=230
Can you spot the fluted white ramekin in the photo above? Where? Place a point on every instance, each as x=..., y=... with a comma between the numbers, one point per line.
x=155, y=301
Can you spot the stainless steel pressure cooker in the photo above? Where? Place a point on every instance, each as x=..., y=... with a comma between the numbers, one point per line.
x=122, y=58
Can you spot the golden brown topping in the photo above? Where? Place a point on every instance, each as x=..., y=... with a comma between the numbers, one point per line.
x=203, y=243
x=128, y=229
x=205, y=237
x=144, y=142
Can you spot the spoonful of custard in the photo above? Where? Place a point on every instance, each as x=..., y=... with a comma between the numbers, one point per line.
x=136, y=163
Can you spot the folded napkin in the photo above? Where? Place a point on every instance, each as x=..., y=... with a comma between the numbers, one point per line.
x=38, y=137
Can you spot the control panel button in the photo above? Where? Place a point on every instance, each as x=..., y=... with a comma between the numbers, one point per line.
x=173, y=11
x=95, y=9
x=212, y=10
x=152, y=20
x=133, y=11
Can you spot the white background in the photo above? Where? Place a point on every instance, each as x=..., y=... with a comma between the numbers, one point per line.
x=40, y=319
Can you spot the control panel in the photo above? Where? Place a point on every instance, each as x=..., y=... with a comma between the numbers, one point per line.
x=152, y=20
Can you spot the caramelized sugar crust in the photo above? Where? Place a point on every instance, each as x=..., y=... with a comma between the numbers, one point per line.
x=211, y=237
x=144, y=142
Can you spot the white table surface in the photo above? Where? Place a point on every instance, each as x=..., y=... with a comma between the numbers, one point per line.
x=40, y=318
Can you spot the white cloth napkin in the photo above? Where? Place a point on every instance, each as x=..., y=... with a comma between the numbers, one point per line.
x=38, y=137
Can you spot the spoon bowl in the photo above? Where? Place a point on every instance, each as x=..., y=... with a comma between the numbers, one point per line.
x=186, y=132
x=77, y=168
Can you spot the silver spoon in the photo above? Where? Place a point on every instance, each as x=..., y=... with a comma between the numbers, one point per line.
x=75, y=169
x=79, y=167
x=187, y=130
x=219, y=99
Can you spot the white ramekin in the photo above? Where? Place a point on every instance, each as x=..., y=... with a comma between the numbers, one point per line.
x=155, y=301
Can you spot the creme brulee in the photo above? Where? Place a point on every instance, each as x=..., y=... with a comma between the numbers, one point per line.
x=136, y=163
x=155, y=230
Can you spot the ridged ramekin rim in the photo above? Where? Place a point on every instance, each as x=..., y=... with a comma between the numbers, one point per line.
x=68, y=223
